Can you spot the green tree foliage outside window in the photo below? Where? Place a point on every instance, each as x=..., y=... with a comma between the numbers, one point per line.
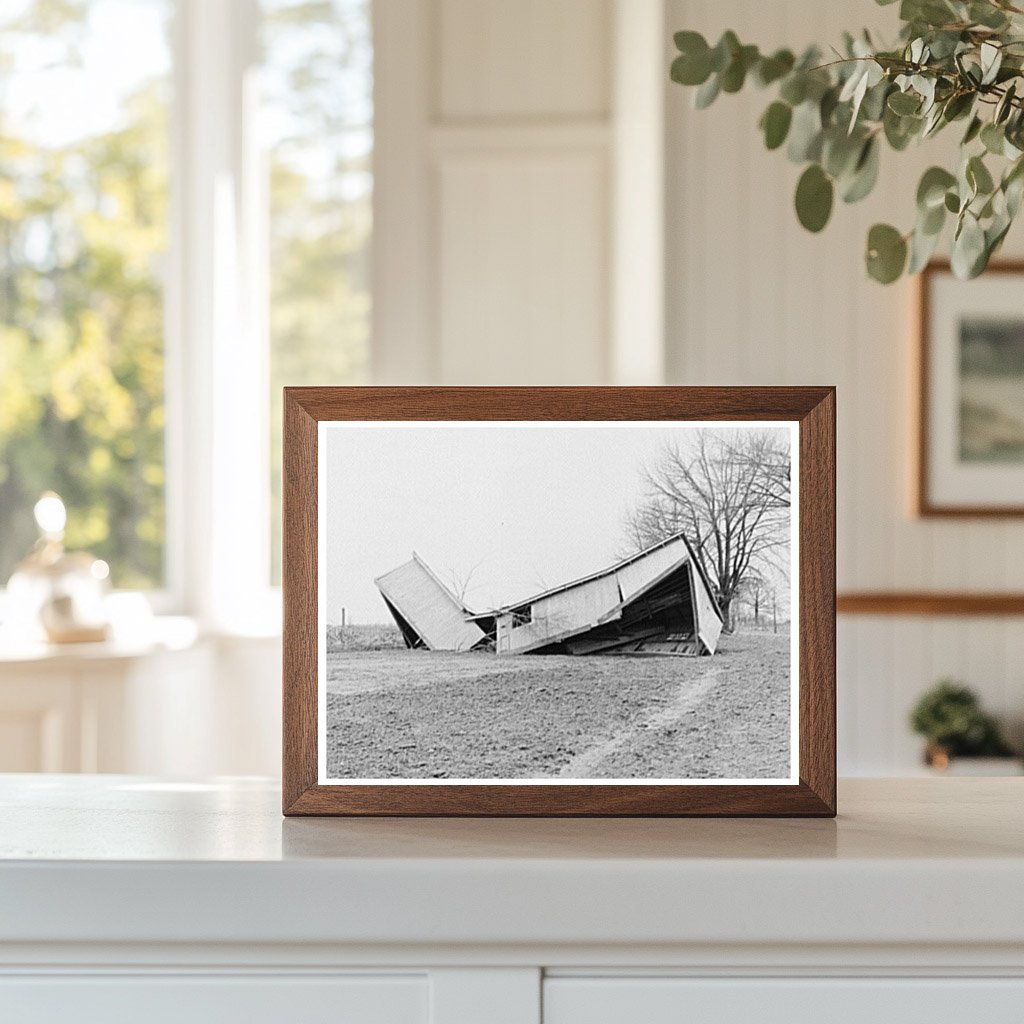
x=317, y=113
x=83, y=230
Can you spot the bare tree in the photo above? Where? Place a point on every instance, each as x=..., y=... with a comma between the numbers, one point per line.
x=729, y=493
x=461, y=583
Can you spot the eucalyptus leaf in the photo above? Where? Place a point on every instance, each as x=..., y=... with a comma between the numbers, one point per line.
x=691, y=70
x=978, y=176
x=805, y=133
x=794, y=88
x=987, y=15
x=1005, y=105
x=904, y=103
x=724, y=51
x=840, y=152
x=931, y=190
x=707, y=93
x=922, y=248
x=954, y=60
x=735, y=74
x=932, y=221
x=865, y=173
x=993, y=138
x=873, y=106
x=991, y=60
x=958, y=105
x=900, y=130
x=886, y=253
x=771, y=69
x=968, y=248
x=775, y=124
x=814, y=196
x=973, y=130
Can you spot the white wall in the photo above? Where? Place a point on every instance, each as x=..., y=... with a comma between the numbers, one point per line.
x=507, y=139
x=754, y=299
x=501, y=140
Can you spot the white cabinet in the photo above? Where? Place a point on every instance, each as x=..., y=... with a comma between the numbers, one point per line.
x=133, y=899
x=829, y=1000
x=216, y=1000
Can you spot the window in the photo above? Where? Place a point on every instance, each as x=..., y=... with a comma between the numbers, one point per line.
x=522, y=616
x=185, y=222
x=317, y=116
x=83, y=235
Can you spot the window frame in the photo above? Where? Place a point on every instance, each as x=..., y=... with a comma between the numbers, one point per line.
x=217, y=351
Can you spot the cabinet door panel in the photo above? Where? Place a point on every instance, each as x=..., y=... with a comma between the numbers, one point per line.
x=782, y=1001
x=202, y=999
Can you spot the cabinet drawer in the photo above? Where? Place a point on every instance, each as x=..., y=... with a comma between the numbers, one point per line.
x=202, y=999
x=782, y=1001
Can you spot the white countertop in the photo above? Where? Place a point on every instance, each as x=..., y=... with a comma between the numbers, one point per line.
x=121, y=859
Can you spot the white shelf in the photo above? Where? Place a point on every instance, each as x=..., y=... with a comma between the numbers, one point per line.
x=120, y=859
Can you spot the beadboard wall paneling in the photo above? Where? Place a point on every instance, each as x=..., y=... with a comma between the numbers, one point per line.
x=528, y=59
x=753, y=299
x=537, y=317
x=501, y=219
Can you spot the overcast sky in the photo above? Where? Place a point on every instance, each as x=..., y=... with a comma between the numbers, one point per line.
x=516, y=509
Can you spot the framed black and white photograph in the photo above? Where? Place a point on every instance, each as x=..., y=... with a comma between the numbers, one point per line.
x=530, y=612
x=971, y=393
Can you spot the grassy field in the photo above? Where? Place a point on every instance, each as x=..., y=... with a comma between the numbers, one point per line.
x=425, y=714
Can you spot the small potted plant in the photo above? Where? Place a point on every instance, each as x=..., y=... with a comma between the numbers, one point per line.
x=950, y=717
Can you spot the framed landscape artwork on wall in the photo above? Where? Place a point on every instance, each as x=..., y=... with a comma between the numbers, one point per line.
x=572, y=601
x=970, y=451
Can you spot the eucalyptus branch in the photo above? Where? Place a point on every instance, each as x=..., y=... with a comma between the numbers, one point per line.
x=955, y=61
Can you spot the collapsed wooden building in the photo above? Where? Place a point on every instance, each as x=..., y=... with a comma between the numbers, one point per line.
x=658, y=601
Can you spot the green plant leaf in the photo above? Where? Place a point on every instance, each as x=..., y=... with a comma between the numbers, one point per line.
x=771, y=69
x=840, y=152
x=991, y=57
x=693, y=65
x=735, y=74
x=707, y=93
x=931, y=221
x=904, y=103
x=978, y=176
x=805, y=133
x=1013, y=187
x=775, y=124
x=993, y=138
x=1005, y=105
x=814, y=195
x=725, y=49
x=958, y=106
x=973, y=130
x=952, y=202
x=794, y=88
x=886, y=254
x=985, y=14
x=931, y=191
x=922, y=247
x=968, y=256
x=900, y=130
x=865, y=173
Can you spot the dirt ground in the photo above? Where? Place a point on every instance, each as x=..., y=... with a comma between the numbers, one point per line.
x=429, y=714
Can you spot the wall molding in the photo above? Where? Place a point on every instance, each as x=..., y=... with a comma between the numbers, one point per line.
x=928, y=603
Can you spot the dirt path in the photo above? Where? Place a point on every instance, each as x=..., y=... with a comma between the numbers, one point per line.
x=592, y=762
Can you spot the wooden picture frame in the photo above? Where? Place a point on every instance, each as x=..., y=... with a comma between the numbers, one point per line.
x=312, y=412
x=941, y=489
